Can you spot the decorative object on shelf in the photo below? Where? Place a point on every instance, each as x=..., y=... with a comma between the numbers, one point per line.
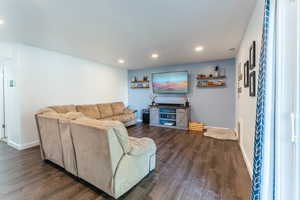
x=187, y=103
x=210, y=83
x=252, y=78
x=210, y=80
x=140, y=84
x=216, y=71
x=252, y=55
x=145, y=78
x=135, y=83
x=222, y=72
x=196, y=126
x=246, y=74
x=152, y=98
x=203, y=77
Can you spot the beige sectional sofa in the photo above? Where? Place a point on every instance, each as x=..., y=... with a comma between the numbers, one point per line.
x=106, y=111
x=97, y=151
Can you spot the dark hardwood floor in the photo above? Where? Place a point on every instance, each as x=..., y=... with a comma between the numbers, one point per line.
x=189, y=166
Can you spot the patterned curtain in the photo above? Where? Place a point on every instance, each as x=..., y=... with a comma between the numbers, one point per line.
x=260, y=110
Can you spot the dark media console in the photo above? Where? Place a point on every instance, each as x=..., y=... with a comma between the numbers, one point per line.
x=170, y=115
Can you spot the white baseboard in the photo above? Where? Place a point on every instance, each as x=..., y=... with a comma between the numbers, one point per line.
x=217, y=127
x=23, y=146
x=247, y=161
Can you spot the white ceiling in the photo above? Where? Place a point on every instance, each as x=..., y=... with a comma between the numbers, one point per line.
x=106, y=30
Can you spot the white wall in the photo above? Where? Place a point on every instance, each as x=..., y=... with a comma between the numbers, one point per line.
x=8, y=53
x=246, y=105
x=46, y=78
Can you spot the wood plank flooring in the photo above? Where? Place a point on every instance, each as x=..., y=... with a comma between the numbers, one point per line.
x=189, y=167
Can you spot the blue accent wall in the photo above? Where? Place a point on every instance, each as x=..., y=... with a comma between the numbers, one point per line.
x=213, y=106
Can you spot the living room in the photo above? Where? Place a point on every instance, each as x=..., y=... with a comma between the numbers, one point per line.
x=146, y=100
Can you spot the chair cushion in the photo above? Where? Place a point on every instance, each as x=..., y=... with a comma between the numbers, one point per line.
x=105, y=110
x=118, y=108
x=89, y=111
x=64, y=109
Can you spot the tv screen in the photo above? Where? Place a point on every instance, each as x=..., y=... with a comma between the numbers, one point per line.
x=170, y=82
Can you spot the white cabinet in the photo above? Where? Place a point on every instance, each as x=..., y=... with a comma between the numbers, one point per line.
x=169, y=116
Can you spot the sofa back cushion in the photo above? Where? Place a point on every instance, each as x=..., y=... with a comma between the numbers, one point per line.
x=53, y=115
x=74, y=115
x=118, y=108
x=105, y=110
x=89, y=111
x=64, y=109
x=45, y=110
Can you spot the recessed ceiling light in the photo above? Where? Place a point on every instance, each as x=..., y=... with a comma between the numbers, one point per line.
x=1, y=21
x=121, y=61
x=155, y=55
x=198, y=48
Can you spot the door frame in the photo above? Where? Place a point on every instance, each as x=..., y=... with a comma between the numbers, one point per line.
x=3, y=134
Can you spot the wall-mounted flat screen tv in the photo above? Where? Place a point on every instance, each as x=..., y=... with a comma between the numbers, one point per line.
x=170, y=82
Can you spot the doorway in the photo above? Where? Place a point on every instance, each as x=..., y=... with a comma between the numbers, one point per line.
x=3, y=135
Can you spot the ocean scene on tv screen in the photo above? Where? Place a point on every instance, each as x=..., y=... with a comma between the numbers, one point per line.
x=171, y=82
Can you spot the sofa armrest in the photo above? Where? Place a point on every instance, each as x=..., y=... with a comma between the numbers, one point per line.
x=141, y=146
x=129, y=111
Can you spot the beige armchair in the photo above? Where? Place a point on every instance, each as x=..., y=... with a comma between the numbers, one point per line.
x=98, y=151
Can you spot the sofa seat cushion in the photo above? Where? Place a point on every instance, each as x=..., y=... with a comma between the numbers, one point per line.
x=90, y=111
x=101, y=124
x=141, y=146
x=105, y=110
x=64, y=109
x=125, y=117
x=118, y=108
x=122, y=118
